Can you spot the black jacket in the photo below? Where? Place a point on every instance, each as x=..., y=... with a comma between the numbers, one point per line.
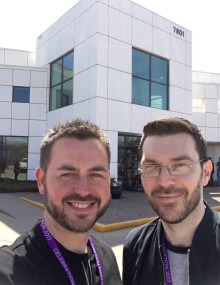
x=29, y=261
x=142, y=262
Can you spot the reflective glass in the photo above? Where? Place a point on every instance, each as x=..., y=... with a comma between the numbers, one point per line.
x=140, y=64
x=159, y=96
x=56, y=72
x=13, y=150
x=140, y=91
x=21, y=94
x=55, y=97
x=68, y=66
x=67, y=94
x=159, y=69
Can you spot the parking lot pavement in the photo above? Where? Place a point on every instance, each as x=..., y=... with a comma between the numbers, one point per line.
x=16, y=215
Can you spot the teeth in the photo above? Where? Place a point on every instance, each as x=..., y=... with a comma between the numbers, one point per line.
x=82, y=206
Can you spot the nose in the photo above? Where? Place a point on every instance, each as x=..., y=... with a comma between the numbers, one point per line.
x=82, y=187
x=164, y=178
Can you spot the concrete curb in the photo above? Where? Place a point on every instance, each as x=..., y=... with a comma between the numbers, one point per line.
x=111, y=227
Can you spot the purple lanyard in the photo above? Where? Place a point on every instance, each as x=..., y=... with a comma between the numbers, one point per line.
x=54, y=248
x=166, y=263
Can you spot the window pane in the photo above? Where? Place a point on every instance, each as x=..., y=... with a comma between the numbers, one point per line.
x=21, y=94
x=13, y=149
x=159, y=96
x=67, y=94
x=55, y=98
x=56, y=72
x=68, y=66
x=140, y=64
x=140, y=91
x=158, y=69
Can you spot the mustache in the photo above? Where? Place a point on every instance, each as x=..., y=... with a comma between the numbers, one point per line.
x=78, y=197
x=170, y=190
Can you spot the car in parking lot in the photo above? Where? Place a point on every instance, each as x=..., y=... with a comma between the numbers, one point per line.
x=23, y=165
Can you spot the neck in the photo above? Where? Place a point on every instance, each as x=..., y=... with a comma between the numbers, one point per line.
x=75, y=242
x=181, y=234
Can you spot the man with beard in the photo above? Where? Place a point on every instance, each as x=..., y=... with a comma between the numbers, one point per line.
x=74, y=177
x=182, y=245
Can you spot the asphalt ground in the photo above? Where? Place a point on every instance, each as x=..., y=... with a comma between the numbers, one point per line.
x=20, y=211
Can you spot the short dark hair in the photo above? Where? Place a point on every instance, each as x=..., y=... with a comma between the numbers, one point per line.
x=172, y=126
x=79, y=129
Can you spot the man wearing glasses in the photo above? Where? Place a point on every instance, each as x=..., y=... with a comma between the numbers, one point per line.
x=181, y=246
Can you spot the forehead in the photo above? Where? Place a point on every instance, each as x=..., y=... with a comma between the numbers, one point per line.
x=78, y=149
x=170, y=146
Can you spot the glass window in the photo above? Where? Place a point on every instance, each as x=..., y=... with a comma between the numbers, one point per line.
x=21, y=94
x=140, y=91
x=61, y=82
x=159, y=96
x=149, y=80
x=13, y=151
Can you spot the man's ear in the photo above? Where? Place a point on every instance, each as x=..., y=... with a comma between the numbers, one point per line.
x=40, y=176
x=207, y=170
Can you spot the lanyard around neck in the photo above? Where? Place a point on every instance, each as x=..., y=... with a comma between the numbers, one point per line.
x=54, y=248
x=166, y=263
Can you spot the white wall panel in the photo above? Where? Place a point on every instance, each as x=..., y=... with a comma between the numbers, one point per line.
x=37, y=128
x=124, y=5
x=177, y=74
x=81, y=110
x=39, y=78
x=178, y=50
x=5, y=93
x=38, y=95
x=82, y=27
x=81, y=57
x=161, y=43
x=20, y=111
x=177, y=99
x=81, y=86
x=99, y=19
x=21, y=77
x=98, y=52
x=142, y=35
x=37, y=111
x=142, y=14
x=198, y=91
x=5, y=110
x=119, y=26
x=67, y=40
x=119, y=116
x=5, y=127
x=120, y=55
x=98, y=81
x=5, y=76
x=211, y=91
x=119, y=85
x=140, y=116
x=19, y=128
x=66, y=113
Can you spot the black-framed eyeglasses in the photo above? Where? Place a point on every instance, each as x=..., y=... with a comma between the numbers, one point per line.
x=153, y=170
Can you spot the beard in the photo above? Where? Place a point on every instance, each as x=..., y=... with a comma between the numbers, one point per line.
x=177, y=211
x=80, y=223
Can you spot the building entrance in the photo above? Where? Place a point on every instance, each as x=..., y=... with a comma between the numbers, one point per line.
x=128, y=162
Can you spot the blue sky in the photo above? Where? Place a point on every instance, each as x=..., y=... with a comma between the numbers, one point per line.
x=21, y=21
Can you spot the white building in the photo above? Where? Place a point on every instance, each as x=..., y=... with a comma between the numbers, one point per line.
x=112, y=62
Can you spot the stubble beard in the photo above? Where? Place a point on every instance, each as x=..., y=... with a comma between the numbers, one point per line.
x=81, y=223
x=178, y=212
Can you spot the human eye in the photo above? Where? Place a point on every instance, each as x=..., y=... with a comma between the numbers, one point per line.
x=148, y=169
x=179, y=168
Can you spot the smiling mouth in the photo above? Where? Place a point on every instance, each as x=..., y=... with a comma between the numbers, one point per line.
x=80, y=205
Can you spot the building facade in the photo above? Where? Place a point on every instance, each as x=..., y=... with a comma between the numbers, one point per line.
x=110, y=61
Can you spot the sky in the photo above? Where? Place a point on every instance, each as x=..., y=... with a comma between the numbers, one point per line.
x=22, y=21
